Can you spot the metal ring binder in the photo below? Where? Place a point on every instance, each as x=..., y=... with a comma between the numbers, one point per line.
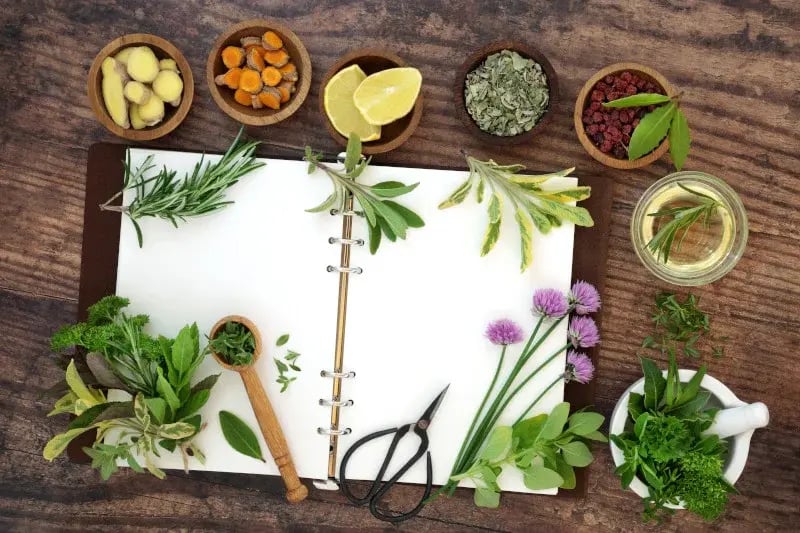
x=332, y=431
x=327, y=374
x=342, y=240
x=349, y=270
x=330, y=403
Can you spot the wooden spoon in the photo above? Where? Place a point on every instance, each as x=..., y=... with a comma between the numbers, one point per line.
x=267, y=421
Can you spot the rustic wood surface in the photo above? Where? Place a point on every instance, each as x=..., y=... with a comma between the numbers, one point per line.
x=739, y=65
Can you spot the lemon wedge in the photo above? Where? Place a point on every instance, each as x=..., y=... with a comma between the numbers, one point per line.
x=339, y=106
x=388, y=95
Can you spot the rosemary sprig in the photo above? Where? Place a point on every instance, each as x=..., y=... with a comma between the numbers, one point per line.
x=383, y=216
x=201, y=192
x=683, y=218
x=533, y=205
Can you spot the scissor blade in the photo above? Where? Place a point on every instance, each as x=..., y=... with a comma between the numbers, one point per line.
x=434, y=406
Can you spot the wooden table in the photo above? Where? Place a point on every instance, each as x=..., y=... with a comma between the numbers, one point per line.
x=739, y=65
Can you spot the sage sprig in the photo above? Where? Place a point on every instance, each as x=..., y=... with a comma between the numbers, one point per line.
x=384, y=216
x=683, y=218
x=533, y=206
x=199, y=193
x=667, y=119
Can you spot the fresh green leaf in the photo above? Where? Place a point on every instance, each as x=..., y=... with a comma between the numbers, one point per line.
x=635, y=405
x=283, y=339
x=572, y=194
x=158, y=408
x=641, y=424
x=329, y=203
x=282, y=367
x=167, y=392
x=184, y=348
x=692, y=406
x=412, y=219
x=584, y=423
x=554, y=424
x=596, y=436
x=374, y=238
x=493, y=230
x=638, y=100
x=206, y=383
x=353, y=153
x=102, y=372
x=239, y=435
x=567, y=473
x=679, y=139
x=654, y=383
x=59, y=443
x=497, y=444
x=576, y=453
x=541, y=478
x=526, y=432
x=486, y=498
x=176, y=430
x=691, y=388
x=457, y=195
x=651, y=131
x=577, y=215
x=526, y=238
x=391, y=189
x=79, y=388
x=195, y=402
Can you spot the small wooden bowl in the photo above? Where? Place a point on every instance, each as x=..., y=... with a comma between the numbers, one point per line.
x=474, y=61
x=246, y=322
x=173, y=116
x=223, y=96
x=372, y=60
x=583, y=102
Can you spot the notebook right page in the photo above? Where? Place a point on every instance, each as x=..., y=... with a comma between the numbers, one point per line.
x=417, y=316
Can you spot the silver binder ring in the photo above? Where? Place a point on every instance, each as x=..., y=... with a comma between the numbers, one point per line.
x=334, y=431
x=335, y=403
x=346, y=375
x=349, y=270
x=342, y=240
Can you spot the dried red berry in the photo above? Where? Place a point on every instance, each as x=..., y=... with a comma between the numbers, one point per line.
x=597, y=116
x=596, y=106
x=609, y=79
x=592, y=130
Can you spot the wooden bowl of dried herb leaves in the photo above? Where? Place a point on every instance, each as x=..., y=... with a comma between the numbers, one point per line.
x=505, y=92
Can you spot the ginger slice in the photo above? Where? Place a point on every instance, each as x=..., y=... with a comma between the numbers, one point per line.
x=168, y=64
x=152, y=112
x=136, y=119
x=137, y=92
x=113, y=93
x=232, y=56
x=168, y=86
x=271, y=41
x=142, y=64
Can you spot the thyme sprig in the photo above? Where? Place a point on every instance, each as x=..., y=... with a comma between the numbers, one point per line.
x=199, y=193
x=683, y=218
x=383, y=216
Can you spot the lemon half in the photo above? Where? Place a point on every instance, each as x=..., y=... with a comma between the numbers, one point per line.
x=340, y=108
x=388, y=95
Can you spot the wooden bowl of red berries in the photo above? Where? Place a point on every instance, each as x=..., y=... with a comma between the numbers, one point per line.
x=605, y=132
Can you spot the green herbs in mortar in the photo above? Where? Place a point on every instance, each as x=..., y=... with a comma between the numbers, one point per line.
x=289, y=363
x=507, y=94
x=166, y=196
x=156, y=371
x=234, y=343
x=384, y=216
x=681, y=327
x=665, y=446
x=534, y=204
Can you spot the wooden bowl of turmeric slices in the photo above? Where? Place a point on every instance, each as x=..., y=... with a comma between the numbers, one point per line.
x=259, y=72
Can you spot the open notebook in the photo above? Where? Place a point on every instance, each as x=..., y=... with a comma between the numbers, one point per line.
x=416, y=316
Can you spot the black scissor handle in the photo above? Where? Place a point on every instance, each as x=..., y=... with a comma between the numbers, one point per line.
x=394, y=518
x=344, y=482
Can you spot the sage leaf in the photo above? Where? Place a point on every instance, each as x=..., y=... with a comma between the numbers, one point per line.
x=458, y=195
x=283, y=339
x=497, y=444
x=176, y=430
x=99, y=368
x=158, y=408
x=651, y=131
x=535, y=179
x=390, y=189
x=329, y=203
x=79, y=388
x=577, y=215
x=88, y=416
x=679, y=139
x=480, y=189
x=386, y=229
x=239, y=435
x=59, y=443
x=525, y=237
x=541, y=478
x=495, y=211
x=374, y=238
x=396, y=222
x=585, y=423
x=638, y=100
x=486, y=498
x=65, y=404
x=572, y=194
x=554, y=424
x=577, y=454
x=353, y=154
x=412, y=219
x=206, y=383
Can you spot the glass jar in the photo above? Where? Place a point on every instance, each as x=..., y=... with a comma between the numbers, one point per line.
x=706, y=250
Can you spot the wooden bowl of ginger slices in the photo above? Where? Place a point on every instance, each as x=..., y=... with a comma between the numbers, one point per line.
x=259, y=72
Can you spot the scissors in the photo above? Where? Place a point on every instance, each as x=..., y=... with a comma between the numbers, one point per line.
x=379, y=488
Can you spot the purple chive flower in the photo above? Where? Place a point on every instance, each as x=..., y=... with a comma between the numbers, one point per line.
x=549, y=303
x=582, y=332
x=504, y=332
x=584, y=298
x=579, y=368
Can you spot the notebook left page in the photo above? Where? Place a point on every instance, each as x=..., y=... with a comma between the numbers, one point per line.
x=263, y=257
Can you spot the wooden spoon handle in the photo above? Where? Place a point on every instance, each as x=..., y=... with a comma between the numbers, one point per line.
x=273, y=434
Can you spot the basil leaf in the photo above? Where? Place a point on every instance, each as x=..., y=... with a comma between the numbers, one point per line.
x=486, y=498
x=527, y=431
x=679, y=139
x=567, y=473
x=183, y=350
x=239, y=435
x=554, y=424
x=497, y=444
x=585, y=423
x=638, y=100
x=651, y=131
x=540, y=478
x=577, y=454
x=195, y=402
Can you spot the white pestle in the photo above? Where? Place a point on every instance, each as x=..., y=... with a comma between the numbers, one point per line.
x=737, y=420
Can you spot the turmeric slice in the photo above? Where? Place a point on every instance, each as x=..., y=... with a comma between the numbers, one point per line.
x=271, y=41
x=242, y=97
x=285, y=94
x=270, y=97
x=247, y=42
x=271, y=76
x=289, y=72
x=255, y=60
x=232, y=56
x=255, y=102
x=230, y=78
x=276, y=58
x=250, y=81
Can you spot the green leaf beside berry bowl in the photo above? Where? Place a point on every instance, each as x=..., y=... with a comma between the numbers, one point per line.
x=584, y=100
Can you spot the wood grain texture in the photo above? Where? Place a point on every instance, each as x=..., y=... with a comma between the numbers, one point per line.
x=736, y=61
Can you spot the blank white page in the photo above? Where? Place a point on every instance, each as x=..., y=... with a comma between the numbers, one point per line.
x=415, y=320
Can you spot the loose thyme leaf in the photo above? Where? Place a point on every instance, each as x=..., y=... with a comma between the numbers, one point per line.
x=651, y=131
x=679, y=139
x=638, y=100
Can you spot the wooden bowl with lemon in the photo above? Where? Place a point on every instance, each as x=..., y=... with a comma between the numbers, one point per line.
x=374, y=94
